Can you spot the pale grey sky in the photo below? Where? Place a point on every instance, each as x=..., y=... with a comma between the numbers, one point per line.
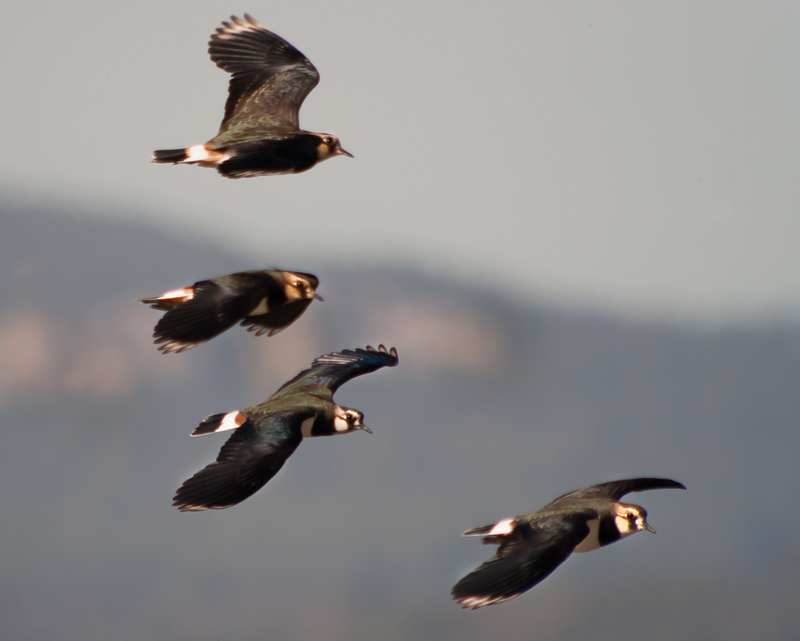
x=640, y=157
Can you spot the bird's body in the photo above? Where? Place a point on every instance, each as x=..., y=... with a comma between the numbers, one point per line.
x=531, y=546
x=266, y=434
x=266, y=300
x=260, y=133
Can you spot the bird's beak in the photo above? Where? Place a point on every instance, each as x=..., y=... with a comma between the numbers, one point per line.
x=344, y=152
x=318, y=297
x=647, y=527
x=366, y=429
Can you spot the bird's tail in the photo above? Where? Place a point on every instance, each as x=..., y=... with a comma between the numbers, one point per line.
x=220, y=423
x=170, y=155
x=479, y=531
x=162, y=304
x=199, y=154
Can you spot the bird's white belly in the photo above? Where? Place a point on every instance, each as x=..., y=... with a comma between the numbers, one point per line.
x=592, y=541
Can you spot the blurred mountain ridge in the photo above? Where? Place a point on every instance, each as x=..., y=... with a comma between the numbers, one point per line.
x=497, y=407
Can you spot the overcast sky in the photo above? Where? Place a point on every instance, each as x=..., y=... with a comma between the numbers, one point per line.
x=640, y=157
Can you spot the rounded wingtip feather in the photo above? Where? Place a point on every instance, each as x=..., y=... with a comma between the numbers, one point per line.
x=665, y=484
x=382, y=350
x=237, y=25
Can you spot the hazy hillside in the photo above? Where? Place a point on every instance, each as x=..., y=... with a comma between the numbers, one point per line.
x=495, y=409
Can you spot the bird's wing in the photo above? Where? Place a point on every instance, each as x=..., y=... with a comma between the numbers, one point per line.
x=615, y=490
x=278, y=319
x=245, y=463
x=269, y=76
x=526, y=556
x=212, y=309
x=330, y=371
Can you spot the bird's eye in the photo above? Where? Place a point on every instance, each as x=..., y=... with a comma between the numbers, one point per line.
x=329, y=141
x=631, y=516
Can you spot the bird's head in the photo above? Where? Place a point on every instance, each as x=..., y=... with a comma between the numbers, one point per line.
x=300, y=286
x=329, y=147
x=346, y=419
x=630, y=519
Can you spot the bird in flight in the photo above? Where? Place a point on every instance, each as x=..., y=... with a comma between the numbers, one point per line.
x=533, y=545
x=267, y=434
x=267, y=300
x=260, y=133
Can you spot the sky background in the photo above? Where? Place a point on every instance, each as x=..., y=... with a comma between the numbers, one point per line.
x=640, y=159
x=630, y=157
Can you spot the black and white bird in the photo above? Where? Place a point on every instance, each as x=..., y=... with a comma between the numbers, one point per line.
x=265, y=301
x=533, y=545
x=260, y=133
x=268, y=433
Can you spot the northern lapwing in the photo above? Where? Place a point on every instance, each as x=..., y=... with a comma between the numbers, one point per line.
x=533, y=545
x=267, y=434
x=260, y=133
x=265, y=301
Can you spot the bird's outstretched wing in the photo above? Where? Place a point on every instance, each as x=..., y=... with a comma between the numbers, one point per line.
x=526, y=556
x=330, y=371
x=245, y=463
x=211, y=310
x=615, y=490
x=270, y=76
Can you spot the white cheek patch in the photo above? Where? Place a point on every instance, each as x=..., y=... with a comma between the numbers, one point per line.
x=261, y=308
x=307, y=426
x=340, y=424
x=186, y=293
x=323, y=151
x=506, y=526
x=291, y=291
x=592, y=540
x=623, y=525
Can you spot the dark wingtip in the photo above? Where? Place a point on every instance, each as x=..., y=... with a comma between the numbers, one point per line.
x=470, y=600
x=182, y=507
x=667, y=484
x=646, y=484
x=617, y=489
x=382, y=350
x=186, y=499
x=236, y=21
x=184, y=503
x=171, y=345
